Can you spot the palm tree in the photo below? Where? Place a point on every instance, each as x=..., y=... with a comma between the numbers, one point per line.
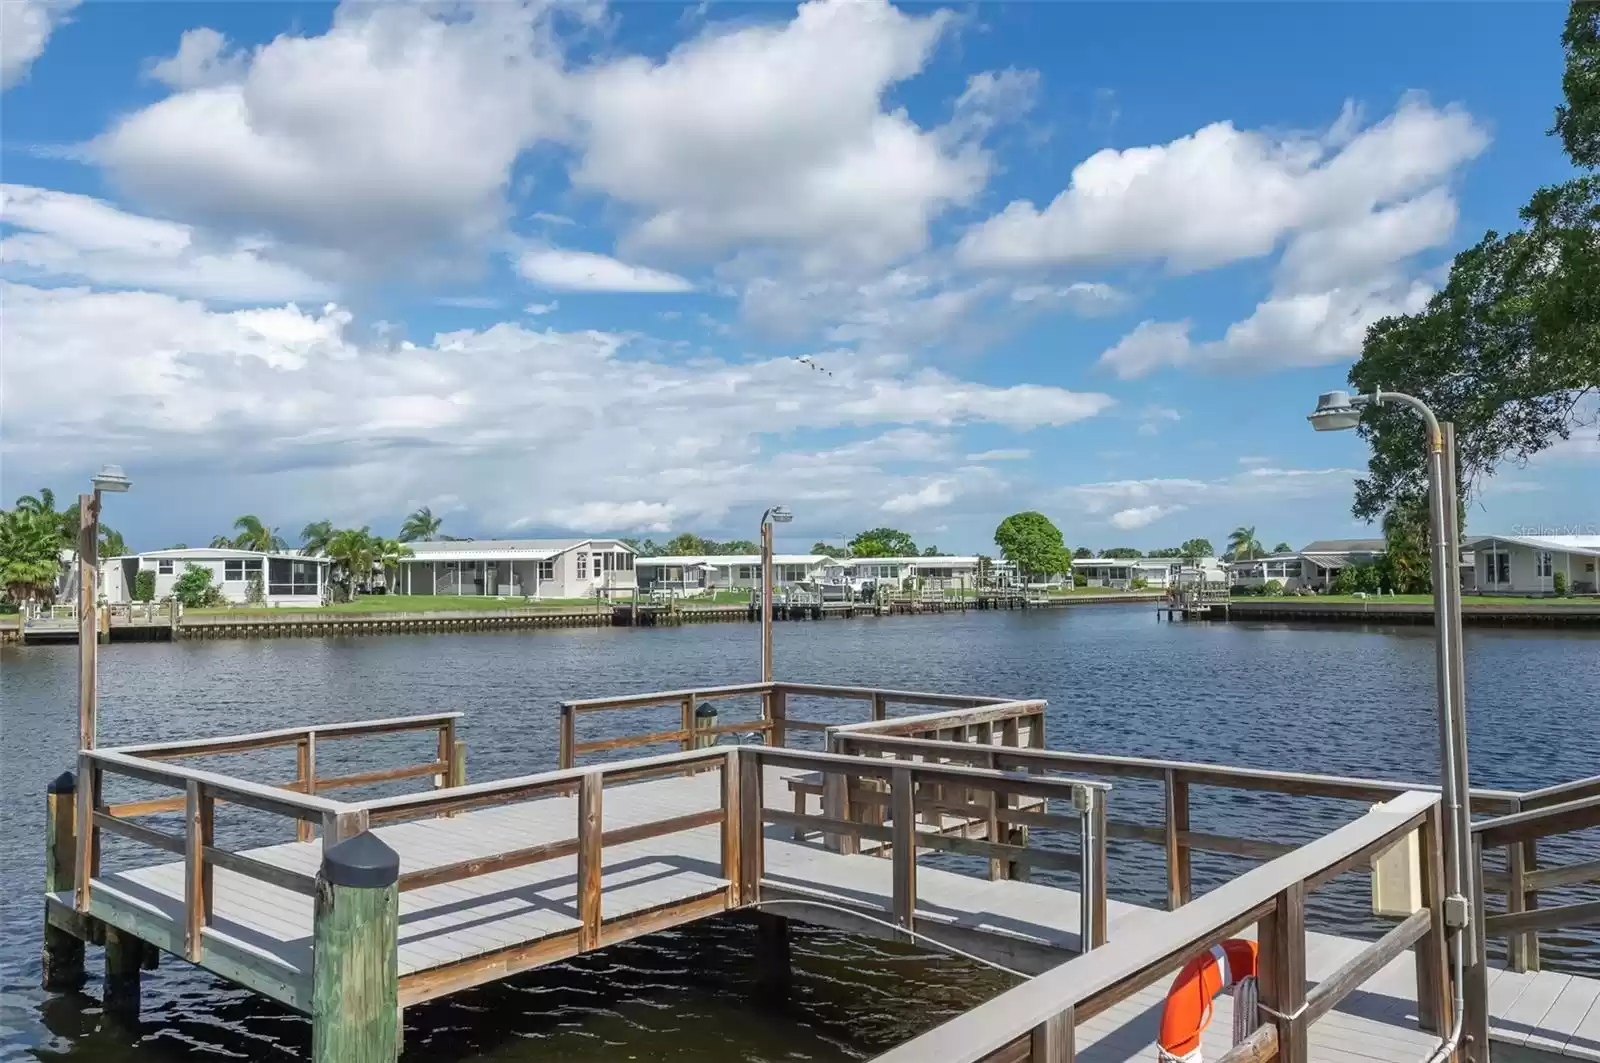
x=43, y=502
x=314, y=537
x=30, y=553
x=390, y=552
x=1283, y=548
x=353, y=550
x=1243, y=544
x=254, y=535
x=422, y=526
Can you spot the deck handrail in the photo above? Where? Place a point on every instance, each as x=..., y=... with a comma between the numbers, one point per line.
x=1046, y=1008
x=283, y=736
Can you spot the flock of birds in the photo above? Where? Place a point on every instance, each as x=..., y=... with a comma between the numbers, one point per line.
x=806, y=360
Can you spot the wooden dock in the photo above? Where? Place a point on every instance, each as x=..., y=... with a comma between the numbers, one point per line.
x=951, y=823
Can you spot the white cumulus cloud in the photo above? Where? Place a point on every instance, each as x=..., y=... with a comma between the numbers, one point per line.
x=25, y=28
x=1139, y=516
x=585, y=271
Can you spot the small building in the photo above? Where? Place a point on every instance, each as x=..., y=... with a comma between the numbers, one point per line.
x=1289, y=569
x=953, y=572
x=287, y=578
x=1118, y=573
x=709, y=573
x=518, y=568
x=1527, y=564
x=1323, y=560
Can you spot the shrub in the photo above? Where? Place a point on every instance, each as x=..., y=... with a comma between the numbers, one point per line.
x=1079, y=579
x=194, y=588
x=1273, y=587
x=255, y=591
x=1560, y=584
x=1138, y=583
x=144, y=586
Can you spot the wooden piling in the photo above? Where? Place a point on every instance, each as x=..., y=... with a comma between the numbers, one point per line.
x=63, y=951
x=774, y=971
x=355, y=1004
x=124, y=965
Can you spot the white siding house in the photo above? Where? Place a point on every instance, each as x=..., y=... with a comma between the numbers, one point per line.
x=1527, y=564
x=518, y=568
x=953, y=572
x=694, y=573
x=286, y=579
x=1157, y=572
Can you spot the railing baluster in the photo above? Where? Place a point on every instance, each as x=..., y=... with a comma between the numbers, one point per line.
x=1052, y=1040
x=752, y=803
x=590, y=860
x=1281, y=971
x=1092, y=855
x=1434, y=991
x=305, y=762
x=1177, y=824
x=732, y=823
x=88, y=860
x=568, y=736
x=198, y=834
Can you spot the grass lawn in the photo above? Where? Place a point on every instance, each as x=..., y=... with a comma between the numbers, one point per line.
x=1422, y=599
x=717, y=598
x=405, y=603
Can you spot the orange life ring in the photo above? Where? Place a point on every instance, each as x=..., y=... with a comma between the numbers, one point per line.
x=1188, y=1010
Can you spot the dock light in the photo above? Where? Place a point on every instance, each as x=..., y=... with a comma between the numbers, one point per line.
x=1337, y=411
x=778, y=515
x=773, y=515
x=111, y=478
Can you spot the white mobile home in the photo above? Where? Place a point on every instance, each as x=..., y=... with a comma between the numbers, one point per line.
x=518, y=568
x=286, y=578
x=1118, y=573
x=1527, y=564
x=708, y=573
x=949, y=571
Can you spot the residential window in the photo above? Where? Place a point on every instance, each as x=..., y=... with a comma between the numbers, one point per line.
x=1292, y=569
x=745, y=572
x=164, y=566
x=241, y=570
x=292, y=577
x=547, y=570
x=610, y=561
x=628, y=562
x=583, y=566
x=1546, y=564
x=1496, y=567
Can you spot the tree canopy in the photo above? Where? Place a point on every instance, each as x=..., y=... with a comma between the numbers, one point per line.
x=1031, y=542
x=1243, y=544
x=1122, y=553
x=421, y=526
x=883, y=542
x=1509, y=349
x=1082, y=551
x=823, y=549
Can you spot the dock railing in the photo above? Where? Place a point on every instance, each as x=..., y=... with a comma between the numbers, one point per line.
x=774, y=724
x=1036, y=1021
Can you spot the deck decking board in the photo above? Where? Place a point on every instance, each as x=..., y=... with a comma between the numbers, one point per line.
x=511, y=911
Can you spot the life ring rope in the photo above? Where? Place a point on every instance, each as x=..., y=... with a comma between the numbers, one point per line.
x=1190, y=1004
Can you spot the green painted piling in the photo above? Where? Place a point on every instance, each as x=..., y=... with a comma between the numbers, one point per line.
x=355, y=1003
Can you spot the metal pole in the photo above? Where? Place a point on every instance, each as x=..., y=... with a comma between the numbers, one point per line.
x=766, y=600
x=1458, y=693
x=88, y=628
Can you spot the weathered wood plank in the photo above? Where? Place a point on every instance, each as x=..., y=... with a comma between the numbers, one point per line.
x=590, y=866
x=903, y=837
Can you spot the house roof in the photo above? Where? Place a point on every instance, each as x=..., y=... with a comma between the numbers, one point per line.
x=1292, y=556
x=503, y=549
x=932, y=561
x=1585, y=545
x=1345, y=546
x=1136, y=562
x=717, y=560
x=216, y=553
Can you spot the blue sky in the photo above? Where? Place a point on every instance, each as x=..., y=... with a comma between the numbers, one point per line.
x=647, y=268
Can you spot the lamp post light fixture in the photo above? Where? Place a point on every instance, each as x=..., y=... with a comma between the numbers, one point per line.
x=773, y=515
x=111, y=479
x=1336, y=411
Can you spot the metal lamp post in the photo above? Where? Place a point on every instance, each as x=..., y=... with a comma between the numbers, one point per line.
x=1336, y=411
x=109, y=478
x=774, y=515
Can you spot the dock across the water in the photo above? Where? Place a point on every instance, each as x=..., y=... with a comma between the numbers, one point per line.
x=938, y=818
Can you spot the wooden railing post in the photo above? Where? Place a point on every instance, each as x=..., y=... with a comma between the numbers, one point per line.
x=568, y=737
x=1177, y=824
x=305, y=775
x=590, y=860
x=355, y=984
x=199, y=834
x=1530, y=900
x=1434, y=990
x=1516, y=944
x=1477, y=971
x=63, y=951
x=752, y=803
x=777, y=713
x=87, y=862
x=1092, y=931
x=880, y=707
x=686, y=709
x=731, y=824
x=1052, y=1040
x=1281, y=972
x=902, y=790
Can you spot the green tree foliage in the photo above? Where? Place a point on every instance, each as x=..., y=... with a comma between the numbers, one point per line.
x=1031, y=542
x=932, y=551
x=389, y=553
x=194, y=588
x=144, y=585
x=353, y=552
x=691, y=545
x=1406, y=564
x=1082, y=552
x=314, y=537
x=822, y=549
x=1283, y=548
x=421, y=526
x=1358, y=579
x=883, y=542
x=645, y=547
x=255, y=592
x=1243, y=544
x=1558, y=583
x=1509, y=349
x=1122, y=553
x=252, y=534
x=64, y=523
x=30, y=554
x=1195, y=549
x=1167, y=551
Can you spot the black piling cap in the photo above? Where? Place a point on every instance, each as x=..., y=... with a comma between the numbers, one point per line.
x=65, y=783
x=705, y=709
x=362, y=861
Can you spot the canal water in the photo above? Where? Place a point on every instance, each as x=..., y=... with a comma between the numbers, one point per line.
x=1334, y=699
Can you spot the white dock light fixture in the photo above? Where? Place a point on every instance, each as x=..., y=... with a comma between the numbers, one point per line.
x=1338, y=410
x=773, y=515
x=110, y=478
